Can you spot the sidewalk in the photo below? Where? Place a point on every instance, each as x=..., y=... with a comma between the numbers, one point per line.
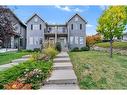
x=63, y=76
x=14, y=62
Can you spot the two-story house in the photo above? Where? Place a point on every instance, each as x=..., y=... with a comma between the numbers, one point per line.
x=70, y=35
x=18, y=39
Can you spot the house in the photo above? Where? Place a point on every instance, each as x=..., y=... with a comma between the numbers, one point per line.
x=70, y=35
x=18, y=39
x=124, y=37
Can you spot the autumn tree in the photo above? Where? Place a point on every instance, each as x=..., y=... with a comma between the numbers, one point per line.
x=112, y=23
x=6, y=28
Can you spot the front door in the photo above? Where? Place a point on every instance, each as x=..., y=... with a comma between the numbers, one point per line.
x=63, y=43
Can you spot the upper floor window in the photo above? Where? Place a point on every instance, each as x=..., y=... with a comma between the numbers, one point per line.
x=36, y=19
x=80, y=26
x=71, y=26
x=31, y=26
x=35, y=27
x=40, y=26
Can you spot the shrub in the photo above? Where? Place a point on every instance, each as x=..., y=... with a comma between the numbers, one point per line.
x=32, y=72
x=58, y=46
x=75, y=49
x=91, y=40
x=51, y=52
x=87, y=48
x=37, y=49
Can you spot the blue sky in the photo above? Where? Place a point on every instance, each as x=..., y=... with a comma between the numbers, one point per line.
x=61, y=14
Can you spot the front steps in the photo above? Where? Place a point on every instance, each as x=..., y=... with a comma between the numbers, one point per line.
x=63, y=76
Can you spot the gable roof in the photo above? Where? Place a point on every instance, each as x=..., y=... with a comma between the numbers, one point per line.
x=33, y=17
x=76, y=15
x=17, y=18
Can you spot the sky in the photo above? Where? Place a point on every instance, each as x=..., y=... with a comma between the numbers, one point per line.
x=61, y=14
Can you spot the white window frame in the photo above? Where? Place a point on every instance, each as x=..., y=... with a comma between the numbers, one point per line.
x=36, y=27
x=36, y=19
x=81, y=40
x=31, y=40
x=76, y=39
x=71, y=39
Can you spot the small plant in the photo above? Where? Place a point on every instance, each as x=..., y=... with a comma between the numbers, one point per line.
x=51, y=52
x=75, y=49
x=58, y=46
x=37, y=49
x=85, y=48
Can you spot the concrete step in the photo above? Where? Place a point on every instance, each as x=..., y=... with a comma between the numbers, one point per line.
x=20, y=60
x=62, y=77
x=60, y=86
x=26, y=56
x=61, y=56
x=61, y=60
x=62, y=66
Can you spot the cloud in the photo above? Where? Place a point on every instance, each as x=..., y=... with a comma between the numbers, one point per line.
x=89, y=25
x=102, y=7
x=68, y=9
x=64, y=8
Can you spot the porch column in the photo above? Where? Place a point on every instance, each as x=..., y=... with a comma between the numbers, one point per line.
x=56, y=34
x=12, y=42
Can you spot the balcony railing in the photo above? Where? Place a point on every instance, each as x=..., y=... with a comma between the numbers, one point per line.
x=46, y=31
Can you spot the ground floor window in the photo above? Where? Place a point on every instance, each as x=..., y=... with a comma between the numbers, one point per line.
x=71, y=39
x=76, y=39
x=81, y=40
x=31, y=40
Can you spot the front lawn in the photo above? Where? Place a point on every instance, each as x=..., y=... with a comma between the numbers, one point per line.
x=117, y=45
x=95, y=70
x=9, y=56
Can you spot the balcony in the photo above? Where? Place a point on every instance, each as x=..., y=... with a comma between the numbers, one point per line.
x=46, y=31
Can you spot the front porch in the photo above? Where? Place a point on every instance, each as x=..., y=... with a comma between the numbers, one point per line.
x=54, y=38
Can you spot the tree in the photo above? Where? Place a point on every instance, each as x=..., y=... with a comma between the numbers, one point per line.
x=112, y=23
x=6, y=28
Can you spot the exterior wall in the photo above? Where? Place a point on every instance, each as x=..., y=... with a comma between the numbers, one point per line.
x=76, y=32
x=36, y=35
x=124, y=37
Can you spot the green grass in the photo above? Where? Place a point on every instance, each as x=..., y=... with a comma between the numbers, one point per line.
x=95, y=70
x=117, y=45
x=7, y=57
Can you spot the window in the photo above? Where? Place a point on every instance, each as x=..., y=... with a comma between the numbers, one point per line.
x=71, y=26
x=31, y=26
x=40, y=26
x=36, y=19
x=81, y=40
x=40, y=40
x=76, y=19
x=36, y=41
x=76, y=39
x=76, y=26
x=80, y=26
x=71, y=39
x=36, y=27
x=31, y=40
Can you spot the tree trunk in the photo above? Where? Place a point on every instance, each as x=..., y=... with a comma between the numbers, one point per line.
x=111, y=49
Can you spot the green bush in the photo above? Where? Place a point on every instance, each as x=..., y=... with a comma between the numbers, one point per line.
x=85, y=48
x=51, y=52
x=58, y=46
x=75, y=49
x=18, y=71
x=37, y=49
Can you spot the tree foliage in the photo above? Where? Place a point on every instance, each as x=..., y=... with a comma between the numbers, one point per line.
x=6, y=28
x=112, y=23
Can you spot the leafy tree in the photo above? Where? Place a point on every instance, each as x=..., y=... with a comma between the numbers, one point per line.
x=112, y=23
x=6, y=28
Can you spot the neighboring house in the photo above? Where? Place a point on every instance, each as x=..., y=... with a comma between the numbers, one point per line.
x=70, y=35
x=124, y=37
x=18, y=40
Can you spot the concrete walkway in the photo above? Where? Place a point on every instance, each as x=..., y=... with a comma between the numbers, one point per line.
x=63, y=76
x=3, y=50
x=14, y=62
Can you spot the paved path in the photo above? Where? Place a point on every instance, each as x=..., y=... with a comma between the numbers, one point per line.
x=14, y=62
x=3, y=50
x=63, y=76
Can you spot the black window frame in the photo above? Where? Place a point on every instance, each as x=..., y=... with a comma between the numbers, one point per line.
x=71, y=26
x=40, y=26
x=31, y=26
x=80, y=26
